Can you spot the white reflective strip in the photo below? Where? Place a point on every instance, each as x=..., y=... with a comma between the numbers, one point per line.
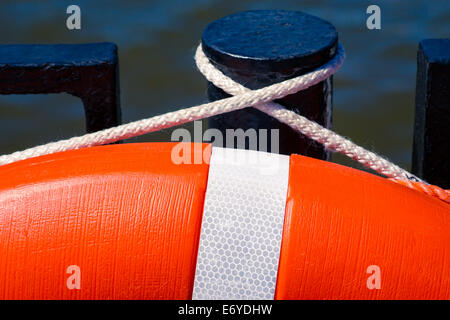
x=242, y=225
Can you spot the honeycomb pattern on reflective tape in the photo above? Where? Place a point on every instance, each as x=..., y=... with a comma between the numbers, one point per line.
x=242, y=225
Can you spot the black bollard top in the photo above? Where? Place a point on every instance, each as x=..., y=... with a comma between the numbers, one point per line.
x=288, y=43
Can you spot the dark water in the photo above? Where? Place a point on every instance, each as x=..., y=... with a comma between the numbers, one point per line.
x=374, y=90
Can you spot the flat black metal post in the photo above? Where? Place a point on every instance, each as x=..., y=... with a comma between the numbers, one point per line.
x=431, y=153
x=259, y=48
x=88, y=71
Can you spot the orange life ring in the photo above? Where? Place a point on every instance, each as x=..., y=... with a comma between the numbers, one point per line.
x=131, y=219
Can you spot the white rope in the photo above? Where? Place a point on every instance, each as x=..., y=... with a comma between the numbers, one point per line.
x=311, y=129
x=242, y=98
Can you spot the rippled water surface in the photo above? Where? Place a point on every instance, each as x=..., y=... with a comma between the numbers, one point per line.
x=374, y=90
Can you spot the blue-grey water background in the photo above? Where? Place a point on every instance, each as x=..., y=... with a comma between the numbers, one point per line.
x=374, y=90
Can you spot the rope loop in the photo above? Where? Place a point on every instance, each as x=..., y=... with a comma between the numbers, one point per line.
x=242, y=97
x=311, y=129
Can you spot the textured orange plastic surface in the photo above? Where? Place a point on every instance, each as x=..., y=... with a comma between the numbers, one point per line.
x=340, y=221
x=130, y=219
x=125, y=214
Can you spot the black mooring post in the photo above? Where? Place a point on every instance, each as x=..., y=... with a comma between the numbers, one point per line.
x=431, y=152
x=88, y=71
x=259, y=48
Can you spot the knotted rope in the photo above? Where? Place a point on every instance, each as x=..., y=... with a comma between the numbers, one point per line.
x=242, y=97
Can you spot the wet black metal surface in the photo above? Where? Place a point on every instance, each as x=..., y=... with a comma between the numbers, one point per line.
x=431, y=152
x=259, y=48
x=88, y=71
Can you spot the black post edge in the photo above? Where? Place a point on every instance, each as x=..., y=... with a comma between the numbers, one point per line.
x=431, y=151
x=89, y=71
x=263, y=47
